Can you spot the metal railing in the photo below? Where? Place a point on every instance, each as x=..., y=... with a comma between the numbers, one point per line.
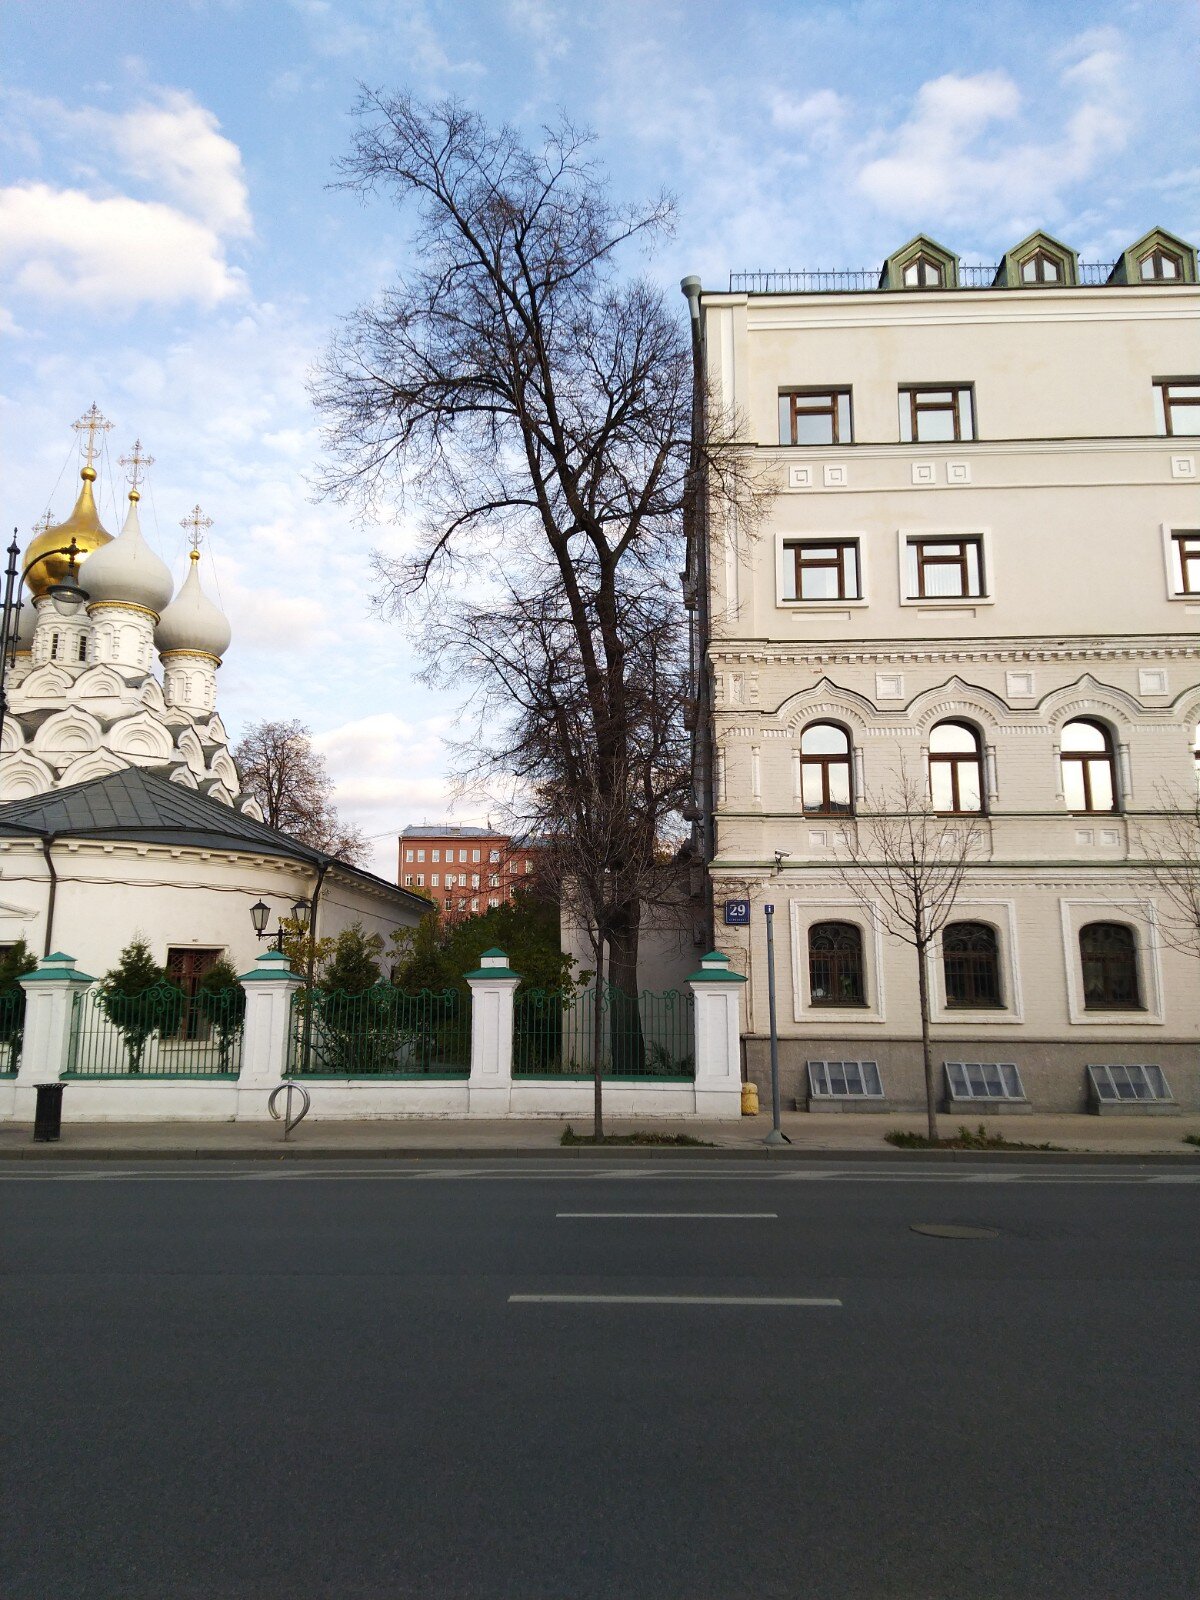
x=160, y=1033
x=381, y=1032
x=1092, y=274
x=556, y=1034
x=12, y=1030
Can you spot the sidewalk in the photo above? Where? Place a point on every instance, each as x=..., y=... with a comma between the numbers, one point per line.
x=811, y=1134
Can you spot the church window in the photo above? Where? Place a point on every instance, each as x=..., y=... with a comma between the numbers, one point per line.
x=187, y=966
x=83, y=649
x=53, y=647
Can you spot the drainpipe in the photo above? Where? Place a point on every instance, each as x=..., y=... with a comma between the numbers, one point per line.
x=47, y=841
x=698, y=601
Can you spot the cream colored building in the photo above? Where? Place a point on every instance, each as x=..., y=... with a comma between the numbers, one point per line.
x=981, y=565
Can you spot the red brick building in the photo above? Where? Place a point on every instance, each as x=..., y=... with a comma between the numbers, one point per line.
x=465, y=870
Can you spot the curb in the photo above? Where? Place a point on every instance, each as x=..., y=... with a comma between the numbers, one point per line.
x=65, y=1151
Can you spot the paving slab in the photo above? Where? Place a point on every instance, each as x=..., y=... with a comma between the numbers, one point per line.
x=810, y=1134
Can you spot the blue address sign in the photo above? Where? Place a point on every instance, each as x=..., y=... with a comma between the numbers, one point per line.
x=737, y=913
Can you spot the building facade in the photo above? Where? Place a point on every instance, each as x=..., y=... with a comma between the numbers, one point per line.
x=465, y=871
x=979, y=572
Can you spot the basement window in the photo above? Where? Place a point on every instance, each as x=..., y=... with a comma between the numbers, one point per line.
x=844, y=1080
x=983, y=1080
x=1111, y=1084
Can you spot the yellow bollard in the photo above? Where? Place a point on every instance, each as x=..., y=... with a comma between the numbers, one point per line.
x=749, y=1099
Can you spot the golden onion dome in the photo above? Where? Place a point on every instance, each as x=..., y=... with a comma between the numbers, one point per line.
x=83, y=525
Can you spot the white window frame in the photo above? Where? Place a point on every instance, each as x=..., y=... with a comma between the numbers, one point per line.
x=782, y=540
x=802, y=915
x=947, y=602
x=1142, y=916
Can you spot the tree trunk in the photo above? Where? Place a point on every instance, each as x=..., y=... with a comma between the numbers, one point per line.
x=628, y=1044
x=597, y=1048
x=927, y=1045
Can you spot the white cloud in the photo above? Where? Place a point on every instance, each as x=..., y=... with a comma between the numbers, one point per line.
x=63, y=244
x=817, y=117
x=176, y=144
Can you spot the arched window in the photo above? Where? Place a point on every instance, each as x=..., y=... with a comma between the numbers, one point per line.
x=955, y=768
x=1108, y=953
x=922, y=272
x=835, y=965
x=53, y=647
x=825, y=769
x=971, y=963
x=1196, y=750
x=1088, y=770
x=83, y=649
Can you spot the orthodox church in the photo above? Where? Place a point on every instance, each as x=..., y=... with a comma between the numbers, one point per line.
x=83, y=699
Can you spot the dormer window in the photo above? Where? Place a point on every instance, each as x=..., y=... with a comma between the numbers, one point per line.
x=923, y=272
x=1041, y=268
x=1160, y=266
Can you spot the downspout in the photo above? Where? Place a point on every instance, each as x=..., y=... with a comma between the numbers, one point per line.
x=47, y=840
x=698, y=600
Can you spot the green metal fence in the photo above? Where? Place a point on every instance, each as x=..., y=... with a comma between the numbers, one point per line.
x=644, y=1036
x=382, y=1032
x=160, y=1033
x=12, y=1030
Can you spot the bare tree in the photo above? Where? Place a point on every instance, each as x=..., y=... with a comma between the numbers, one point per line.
x=905, y=864
x=540, y=413
x=282, y=771
x=1172, y=851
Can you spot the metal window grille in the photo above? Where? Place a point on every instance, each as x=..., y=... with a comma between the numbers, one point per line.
x=1112, y=1084
x=844, y=1080
x=984, y=1080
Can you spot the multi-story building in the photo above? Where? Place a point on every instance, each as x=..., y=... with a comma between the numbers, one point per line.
x=981, y=565
x=465, y=870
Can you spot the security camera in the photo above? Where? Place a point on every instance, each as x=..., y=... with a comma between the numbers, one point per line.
x=780, y=857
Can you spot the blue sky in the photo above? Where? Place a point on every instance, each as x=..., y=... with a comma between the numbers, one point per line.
x=170, y=248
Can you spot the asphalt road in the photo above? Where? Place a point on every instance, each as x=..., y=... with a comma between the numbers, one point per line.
x=296, y=1382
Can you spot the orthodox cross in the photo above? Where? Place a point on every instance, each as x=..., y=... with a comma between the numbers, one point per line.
x=137, y=463
x=195, y=523
x=43, y=524
x=92, y=422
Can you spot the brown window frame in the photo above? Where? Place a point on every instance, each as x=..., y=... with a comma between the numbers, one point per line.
x=842, y=960
x=920, y=544
x=838, y=564
x=1086, y=759
x=828, y=807
x=953, y=759
x=1180, y=540
x=1123, y=961
x=923, y=260
x=1189, y=402
x=832, y=410
x=973, y=974
x=185, y=968
x=1158, y=255
x=917, y=409
x=1042, y=258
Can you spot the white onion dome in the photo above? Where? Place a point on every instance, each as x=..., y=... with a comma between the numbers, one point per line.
x=127, y=570
x=191, y=621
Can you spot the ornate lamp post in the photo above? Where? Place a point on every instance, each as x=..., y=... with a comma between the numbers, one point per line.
x=260, y=915
x=67, y=597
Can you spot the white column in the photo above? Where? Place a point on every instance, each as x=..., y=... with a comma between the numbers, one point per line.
x=718, y=1053
x=492, y=986
x=267, y=1035
x=49, y=1009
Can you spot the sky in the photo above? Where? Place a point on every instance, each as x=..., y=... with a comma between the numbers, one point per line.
x=171, y=247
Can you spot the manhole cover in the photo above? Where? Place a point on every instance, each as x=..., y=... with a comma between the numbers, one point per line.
x=953, y=1230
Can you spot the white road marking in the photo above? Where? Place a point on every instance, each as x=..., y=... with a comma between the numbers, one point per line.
x=672, y=1216
x=666, y=1300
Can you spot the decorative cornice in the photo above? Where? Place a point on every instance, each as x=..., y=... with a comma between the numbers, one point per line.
x=1168, y=647
x=199, y=655
x=97, y=606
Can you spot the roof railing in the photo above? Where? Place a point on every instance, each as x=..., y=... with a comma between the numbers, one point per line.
x=1092, y=274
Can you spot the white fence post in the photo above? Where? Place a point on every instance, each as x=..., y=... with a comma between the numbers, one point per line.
x=718, y=1037
x=267, y=1035
x=49, y=1011
x=492, y=985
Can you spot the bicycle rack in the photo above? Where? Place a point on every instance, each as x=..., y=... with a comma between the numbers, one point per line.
x=289, y=1120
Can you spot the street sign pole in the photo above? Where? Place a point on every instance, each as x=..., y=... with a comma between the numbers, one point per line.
x=776, y=1135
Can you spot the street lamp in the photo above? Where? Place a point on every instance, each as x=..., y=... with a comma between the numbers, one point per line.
x=67, y=597
x=260, y=915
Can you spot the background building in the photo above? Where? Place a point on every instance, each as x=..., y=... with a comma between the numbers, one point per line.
x=982, y=566
x=465, y=870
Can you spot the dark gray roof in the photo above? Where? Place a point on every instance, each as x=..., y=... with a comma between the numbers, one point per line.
x=137, y=804
x=443, y=830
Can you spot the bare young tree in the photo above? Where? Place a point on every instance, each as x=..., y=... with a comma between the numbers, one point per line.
x=905, y=864
x=288, y=778
x=1172, y=850
x=538, y=411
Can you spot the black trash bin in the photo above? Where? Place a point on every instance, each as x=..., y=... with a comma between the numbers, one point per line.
x=47, y=1116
